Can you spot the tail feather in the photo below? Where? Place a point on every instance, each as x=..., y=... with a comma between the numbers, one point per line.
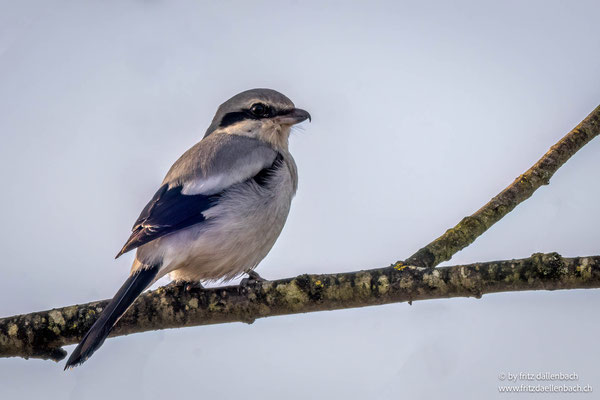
x=93, y=339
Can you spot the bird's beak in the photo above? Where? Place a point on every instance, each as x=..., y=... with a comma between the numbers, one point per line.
x=292, y=117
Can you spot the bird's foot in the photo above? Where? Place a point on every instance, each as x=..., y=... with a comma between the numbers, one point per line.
x=186, y=285
x=252, y=279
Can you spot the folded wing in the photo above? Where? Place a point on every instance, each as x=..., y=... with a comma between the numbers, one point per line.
x=197, y=181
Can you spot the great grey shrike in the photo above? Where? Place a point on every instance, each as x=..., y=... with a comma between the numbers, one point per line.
x=218, y=211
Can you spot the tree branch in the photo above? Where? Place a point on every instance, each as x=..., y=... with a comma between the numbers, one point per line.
x=471, y=227
x=42, y=334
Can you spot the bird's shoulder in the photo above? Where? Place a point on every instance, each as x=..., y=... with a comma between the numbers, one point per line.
x=218, y=161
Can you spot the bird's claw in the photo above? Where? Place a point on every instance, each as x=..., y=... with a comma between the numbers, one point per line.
x=252, y=279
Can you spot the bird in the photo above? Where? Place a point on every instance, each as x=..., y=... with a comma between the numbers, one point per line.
x=219, y=209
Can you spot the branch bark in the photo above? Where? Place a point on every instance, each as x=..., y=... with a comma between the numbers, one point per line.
x=42, y=334
x=471, y=227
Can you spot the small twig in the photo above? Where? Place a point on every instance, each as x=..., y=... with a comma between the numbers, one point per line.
x=470, y=228
x=42, y=334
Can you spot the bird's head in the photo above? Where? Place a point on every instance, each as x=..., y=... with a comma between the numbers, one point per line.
x=263, y=114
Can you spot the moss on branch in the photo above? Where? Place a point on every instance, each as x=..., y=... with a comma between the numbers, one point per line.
x=471, y=227
x=42, y=334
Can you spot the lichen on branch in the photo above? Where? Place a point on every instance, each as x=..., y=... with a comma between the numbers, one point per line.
x=42, y=334
x=471, y=227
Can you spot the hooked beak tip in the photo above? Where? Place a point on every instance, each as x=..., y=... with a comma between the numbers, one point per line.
x=295, y=116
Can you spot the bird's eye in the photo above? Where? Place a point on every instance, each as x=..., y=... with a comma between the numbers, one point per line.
x=260, y=110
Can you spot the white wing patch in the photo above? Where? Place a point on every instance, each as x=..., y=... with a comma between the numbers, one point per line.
x=204, y=186
x=216, y=183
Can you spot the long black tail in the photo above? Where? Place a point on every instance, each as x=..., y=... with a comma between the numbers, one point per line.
x=93, y=339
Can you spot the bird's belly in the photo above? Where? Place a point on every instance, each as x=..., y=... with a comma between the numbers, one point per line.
x=237, y=235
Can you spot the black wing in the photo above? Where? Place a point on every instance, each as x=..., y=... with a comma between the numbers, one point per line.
x=168, y=211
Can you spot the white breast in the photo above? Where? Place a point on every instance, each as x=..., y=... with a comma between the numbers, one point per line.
x=237, y=234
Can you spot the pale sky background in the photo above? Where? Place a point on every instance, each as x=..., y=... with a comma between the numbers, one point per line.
x=422, y=111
